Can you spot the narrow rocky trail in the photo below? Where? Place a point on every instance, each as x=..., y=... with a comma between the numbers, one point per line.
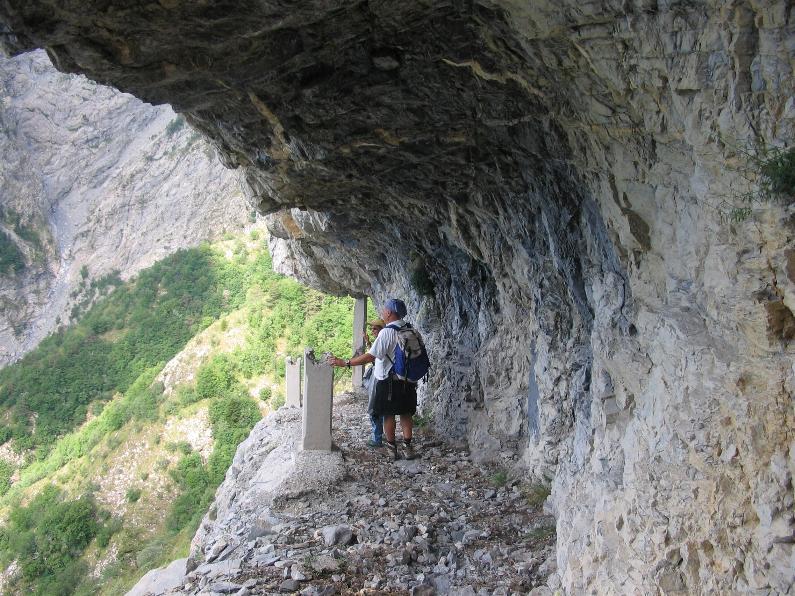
x=438, y=524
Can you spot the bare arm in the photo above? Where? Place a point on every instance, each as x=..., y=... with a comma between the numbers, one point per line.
x=355, y=361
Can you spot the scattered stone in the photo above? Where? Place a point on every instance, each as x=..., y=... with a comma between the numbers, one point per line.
x=289, y=585
x=442, y=584
x=329, y=590
x=216, y=551
x=387, y=531
x=297, y=573
x=325, y=563
x=337, y=535
x=265, y=560
x=225, y=587
x=161, y=580
x=214, y=570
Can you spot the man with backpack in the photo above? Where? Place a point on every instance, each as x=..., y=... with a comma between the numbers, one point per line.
x=400, y=361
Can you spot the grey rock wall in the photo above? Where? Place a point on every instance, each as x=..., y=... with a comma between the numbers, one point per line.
x=562, y=173
x=96, y=178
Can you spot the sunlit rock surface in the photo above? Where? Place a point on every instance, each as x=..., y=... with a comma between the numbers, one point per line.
x=563, y=175
x=96, y=178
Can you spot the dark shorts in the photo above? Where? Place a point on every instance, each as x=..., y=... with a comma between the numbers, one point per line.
x=394, y=397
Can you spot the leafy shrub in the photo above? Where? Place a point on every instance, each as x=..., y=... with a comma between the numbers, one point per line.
x=278, y=400
x=215, y=378
x=232, y=418
x=499, y=478
x=542, y=532
x=48, y=537
x=182, y=446
x=265, y=393
x=6, y=471
x=133, y=494
x=219, y=461
x=196, y=493
x=423, y=419
x=251, y=362
x=186, y=394
x=536, y=494
x=777, y=169
x=107, y=531
x=11, y=258
x=142, y=398
x=772, y=172
x=151, y=553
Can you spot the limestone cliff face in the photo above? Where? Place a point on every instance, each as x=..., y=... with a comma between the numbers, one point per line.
x=93, y=178
x=548, y=184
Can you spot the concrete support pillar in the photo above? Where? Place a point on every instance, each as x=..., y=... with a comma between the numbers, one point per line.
x=292, y=381
x=359, y=323
x=318, y=389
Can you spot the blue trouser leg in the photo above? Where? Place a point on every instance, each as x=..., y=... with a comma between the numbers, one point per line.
x=377, y=423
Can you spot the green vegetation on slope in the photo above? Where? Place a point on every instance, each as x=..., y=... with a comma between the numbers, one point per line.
x=47, y=537
x=88, y=397
x=11, y=258
x=138, y=326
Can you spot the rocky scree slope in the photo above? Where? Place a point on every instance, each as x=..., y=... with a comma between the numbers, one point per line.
x=93, y=178
x=550, y=184
x=340, y=522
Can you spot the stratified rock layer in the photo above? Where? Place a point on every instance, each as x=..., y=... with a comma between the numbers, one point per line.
x=549, y=185
x=94, y=178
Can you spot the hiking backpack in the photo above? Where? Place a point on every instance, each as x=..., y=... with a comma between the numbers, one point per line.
x=411, y=358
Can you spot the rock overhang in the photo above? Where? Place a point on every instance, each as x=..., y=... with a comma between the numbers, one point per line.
x=359, y=99
x=385, y=140
x=551, y=170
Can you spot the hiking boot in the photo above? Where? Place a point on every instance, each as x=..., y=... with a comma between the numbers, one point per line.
x=392, y=450
x=374, y=444
x=408, y=451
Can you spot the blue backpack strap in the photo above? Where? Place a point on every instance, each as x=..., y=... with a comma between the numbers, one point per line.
x=396, y=328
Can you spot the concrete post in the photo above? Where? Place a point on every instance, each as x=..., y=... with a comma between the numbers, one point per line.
x=292, y=381
x=359, y=323
x=318, y=389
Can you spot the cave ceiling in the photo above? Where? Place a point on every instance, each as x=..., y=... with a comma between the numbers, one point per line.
x=334, y=106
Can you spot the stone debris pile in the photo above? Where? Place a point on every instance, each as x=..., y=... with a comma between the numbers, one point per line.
x=436, y=525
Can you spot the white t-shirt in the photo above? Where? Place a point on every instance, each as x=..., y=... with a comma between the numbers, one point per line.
x=384, y=350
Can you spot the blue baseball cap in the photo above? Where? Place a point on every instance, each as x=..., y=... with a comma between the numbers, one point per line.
x=396, y=306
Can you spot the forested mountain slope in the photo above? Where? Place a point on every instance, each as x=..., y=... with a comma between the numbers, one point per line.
x=117, y=430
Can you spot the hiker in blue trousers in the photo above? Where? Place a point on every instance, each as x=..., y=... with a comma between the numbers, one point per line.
x=376, y=422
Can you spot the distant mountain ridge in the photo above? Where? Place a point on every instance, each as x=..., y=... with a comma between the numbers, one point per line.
x=93, y=183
